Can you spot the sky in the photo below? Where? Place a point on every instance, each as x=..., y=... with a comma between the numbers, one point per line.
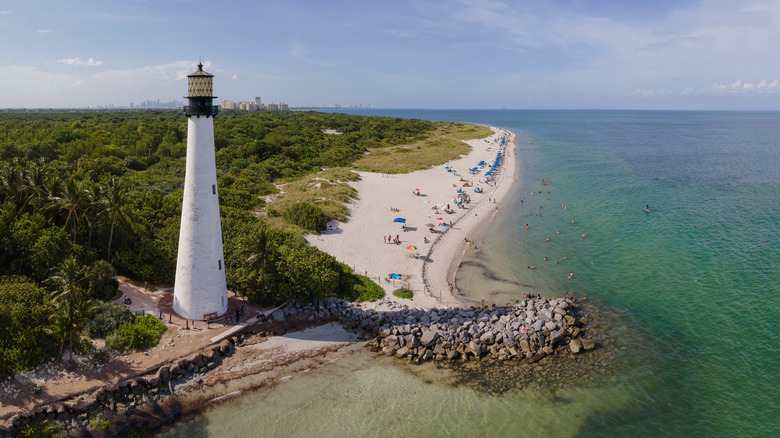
x=471, y=54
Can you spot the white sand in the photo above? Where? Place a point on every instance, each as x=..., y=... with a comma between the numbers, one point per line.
x=360, y=243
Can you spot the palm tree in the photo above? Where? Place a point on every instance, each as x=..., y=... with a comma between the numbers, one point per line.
x=94, y=209
x=260, y=253
x=12, y=182
x=68, y=294
x=115, y=207
x=37, y=182
x=74, y=201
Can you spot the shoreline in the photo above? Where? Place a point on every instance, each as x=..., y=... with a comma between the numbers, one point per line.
x=425, y=259
x=508, y=177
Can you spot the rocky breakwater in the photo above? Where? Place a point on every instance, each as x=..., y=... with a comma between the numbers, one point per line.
x=120, y=402
x=531, y=330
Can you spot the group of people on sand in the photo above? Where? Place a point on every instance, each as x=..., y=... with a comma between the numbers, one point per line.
x=389, y=239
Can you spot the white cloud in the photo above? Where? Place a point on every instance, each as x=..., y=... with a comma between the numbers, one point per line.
x=298, y=51
x=78, y=62
x=739, y=86
x=404, y=33
x=42, y=32
x=234, y=77
x=643, y=93
x=302, y=54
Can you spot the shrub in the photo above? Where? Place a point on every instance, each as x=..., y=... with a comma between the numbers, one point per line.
x=403, y=293
x=100, y=358
x=108, y=317
x=25, y=310
x=114, y=341
x=307, y=216
x=98, y=424
x=143, y=332
x=42, y=428
x=366, y=290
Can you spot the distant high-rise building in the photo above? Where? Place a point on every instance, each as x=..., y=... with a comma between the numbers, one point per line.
x=255, y=105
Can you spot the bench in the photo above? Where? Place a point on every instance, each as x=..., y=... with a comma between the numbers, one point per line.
x=209, y=316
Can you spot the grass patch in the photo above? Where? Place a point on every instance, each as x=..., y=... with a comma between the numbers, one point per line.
x=366, y=290
x=403, y=293
x=442, y=146
x=328, y=190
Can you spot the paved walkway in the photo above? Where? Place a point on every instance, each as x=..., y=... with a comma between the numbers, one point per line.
x=251, y=321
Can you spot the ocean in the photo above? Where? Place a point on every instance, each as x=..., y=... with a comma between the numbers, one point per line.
x=691, y=287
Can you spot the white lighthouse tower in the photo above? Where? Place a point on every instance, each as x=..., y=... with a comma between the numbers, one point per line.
x=200, y=290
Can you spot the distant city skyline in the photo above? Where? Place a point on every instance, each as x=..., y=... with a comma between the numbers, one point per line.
x=682, y=54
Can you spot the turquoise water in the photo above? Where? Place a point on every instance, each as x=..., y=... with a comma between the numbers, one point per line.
x=695, y=279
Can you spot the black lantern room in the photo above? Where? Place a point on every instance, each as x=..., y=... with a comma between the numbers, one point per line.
x=200, y=90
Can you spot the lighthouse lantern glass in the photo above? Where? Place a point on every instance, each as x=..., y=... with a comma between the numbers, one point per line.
x=200, y=86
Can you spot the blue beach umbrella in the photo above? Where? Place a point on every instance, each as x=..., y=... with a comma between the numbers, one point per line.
x=400, y=220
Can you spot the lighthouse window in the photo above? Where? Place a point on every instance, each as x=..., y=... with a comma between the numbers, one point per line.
x=219, y=263
x=213, y=189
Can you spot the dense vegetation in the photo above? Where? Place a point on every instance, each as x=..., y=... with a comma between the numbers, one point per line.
x=87, y=195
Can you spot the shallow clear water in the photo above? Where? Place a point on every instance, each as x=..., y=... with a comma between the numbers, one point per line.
x=695, y=279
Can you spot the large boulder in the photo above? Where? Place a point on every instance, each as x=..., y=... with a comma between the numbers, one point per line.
x=486, y=338
x=475, y=348
x=164, y=373
x=538, y=356
x=588, y=344
x=402, y=352
x=555, y=338
x=429, y=337
x=575, y=346
x=278, y=315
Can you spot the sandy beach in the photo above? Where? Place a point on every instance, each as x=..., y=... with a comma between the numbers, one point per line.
x=421, y=199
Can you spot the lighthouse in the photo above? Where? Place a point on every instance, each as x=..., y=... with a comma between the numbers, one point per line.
x=200, y=291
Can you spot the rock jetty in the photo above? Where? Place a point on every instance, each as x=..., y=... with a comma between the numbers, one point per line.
x=531, y=330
